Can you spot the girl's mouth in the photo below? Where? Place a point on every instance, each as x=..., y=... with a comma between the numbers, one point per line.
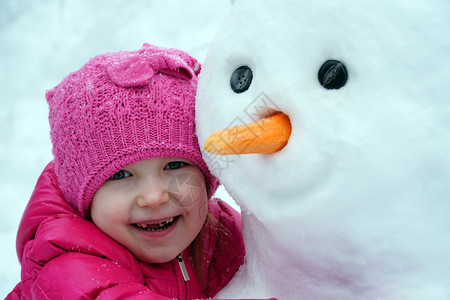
x=157, y=226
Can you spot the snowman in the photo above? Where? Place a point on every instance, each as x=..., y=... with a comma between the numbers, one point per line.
x=328, y=122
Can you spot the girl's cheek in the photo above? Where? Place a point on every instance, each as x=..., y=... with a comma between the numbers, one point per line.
x=188, y=187
x=203, y=205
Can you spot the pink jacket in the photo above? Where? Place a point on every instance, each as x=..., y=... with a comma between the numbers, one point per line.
x=64, y=256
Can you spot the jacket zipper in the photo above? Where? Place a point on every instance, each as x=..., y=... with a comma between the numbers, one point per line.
x=183, y=268
x=185, y=274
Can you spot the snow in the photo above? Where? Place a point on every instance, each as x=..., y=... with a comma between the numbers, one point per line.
x=356, y=205
x=40, y=43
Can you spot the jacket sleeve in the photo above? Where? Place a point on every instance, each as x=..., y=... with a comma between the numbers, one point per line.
x=64, y=256
x=229, y=250
x=229, y=247
x=79, y=276
x=79, y=263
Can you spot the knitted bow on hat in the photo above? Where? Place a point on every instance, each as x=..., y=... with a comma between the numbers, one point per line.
x=137, y=69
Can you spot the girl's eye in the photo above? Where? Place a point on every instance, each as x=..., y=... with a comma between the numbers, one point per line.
x=120, y=175
x=173, y=165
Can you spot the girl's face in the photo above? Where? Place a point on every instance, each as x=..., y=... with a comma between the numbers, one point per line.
x=155, y=207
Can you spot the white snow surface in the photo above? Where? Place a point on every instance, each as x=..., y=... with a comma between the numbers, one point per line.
x=43, y=41
x=357, y=205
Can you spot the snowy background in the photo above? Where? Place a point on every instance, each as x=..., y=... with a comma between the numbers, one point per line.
x=40, y=43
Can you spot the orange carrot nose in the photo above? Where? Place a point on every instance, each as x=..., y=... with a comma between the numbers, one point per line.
x=268, y=135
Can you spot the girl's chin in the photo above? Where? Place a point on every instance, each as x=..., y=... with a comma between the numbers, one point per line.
x=159, y=258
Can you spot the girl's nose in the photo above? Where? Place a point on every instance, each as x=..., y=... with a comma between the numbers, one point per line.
x=152, y=194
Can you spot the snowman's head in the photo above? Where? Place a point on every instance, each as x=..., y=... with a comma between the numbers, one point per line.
x=363, y=85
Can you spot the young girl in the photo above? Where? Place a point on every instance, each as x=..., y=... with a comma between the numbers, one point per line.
x=124, y=210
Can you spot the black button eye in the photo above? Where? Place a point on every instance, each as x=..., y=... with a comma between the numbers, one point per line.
x=333, y=75
x=241, y=79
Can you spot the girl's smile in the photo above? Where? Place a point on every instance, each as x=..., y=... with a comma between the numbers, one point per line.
x=156, y=225
x=144, y=207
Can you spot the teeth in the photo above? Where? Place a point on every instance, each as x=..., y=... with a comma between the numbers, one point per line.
x=155, y=226
x=165, y=222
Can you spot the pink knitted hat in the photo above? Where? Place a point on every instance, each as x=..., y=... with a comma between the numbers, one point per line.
x=121, y=108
